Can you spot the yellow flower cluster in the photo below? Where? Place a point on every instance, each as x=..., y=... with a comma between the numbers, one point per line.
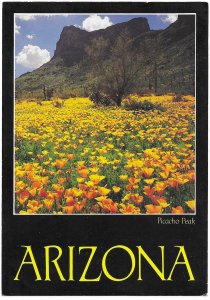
x=81, y=159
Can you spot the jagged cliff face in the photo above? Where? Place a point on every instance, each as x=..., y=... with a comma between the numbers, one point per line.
x=70, y=46
x=72, y=42
x=173, y=50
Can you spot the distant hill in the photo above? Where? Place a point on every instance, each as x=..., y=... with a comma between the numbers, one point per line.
x=167, y=64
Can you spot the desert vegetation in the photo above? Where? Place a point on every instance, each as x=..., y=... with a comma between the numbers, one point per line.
x=76, y=157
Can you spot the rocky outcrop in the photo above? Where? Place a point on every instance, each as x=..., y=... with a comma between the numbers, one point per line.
x=72, y=42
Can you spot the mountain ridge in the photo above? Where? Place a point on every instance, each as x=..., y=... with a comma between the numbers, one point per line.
x=71, y=35
x=172, y=48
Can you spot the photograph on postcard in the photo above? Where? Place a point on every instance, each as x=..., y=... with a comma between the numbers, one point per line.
x=105, y=113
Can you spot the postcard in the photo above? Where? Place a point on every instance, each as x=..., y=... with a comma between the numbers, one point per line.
x=104, y=148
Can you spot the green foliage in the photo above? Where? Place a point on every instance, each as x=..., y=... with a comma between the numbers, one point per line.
x=100, y=98
x=179, y=98
x=27, y=149
x=48, y=93
x=132, y=104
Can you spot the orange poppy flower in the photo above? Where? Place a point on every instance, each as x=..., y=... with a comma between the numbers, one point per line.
x=42, y=193
x=128, y=187
x=129, y=209
x=173, y=183
x=148, y=172
x=45, y=180
x=58, y=187
x=61, y=180
x=68, y=209
x=149, y=191
x=163, y=202
x=58, y=195
x=70, y=201
x=28, y=167
x=40, y=156
x=79, y=205
x=60, y=163
x=83, y=172
x=70, y=156
x=177, y=210
x=153, y=209
x=34, y=205
x=160, y=186
x=72, y=192
x=107, y=204
x=136, y=198
x=24, y=197
x=82, y=187
x=48, y=203
x=36, y=184
x=91, y=194
x=165, y=174
x=32, y=192
x=191, y=175
x=133, y=180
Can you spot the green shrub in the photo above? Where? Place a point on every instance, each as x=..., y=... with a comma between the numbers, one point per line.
x=100, y=98
x=179, y=98
x=145, y=105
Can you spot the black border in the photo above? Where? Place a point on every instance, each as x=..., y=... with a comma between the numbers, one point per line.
x=86, y=230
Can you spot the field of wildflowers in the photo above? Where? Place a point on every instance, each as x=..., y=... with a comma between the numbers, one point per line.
x=76, y=158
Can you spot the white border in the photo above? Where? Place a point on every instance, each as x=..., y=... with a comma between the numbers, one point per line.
x=88, y=14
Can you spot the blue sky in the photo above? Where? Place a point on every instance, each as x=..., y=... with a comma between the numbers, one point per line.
x=36, y=35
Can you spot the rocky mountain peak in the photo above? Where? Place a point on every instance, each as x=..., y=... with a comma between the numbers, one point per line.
x=73, y=40
x=173, y=49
